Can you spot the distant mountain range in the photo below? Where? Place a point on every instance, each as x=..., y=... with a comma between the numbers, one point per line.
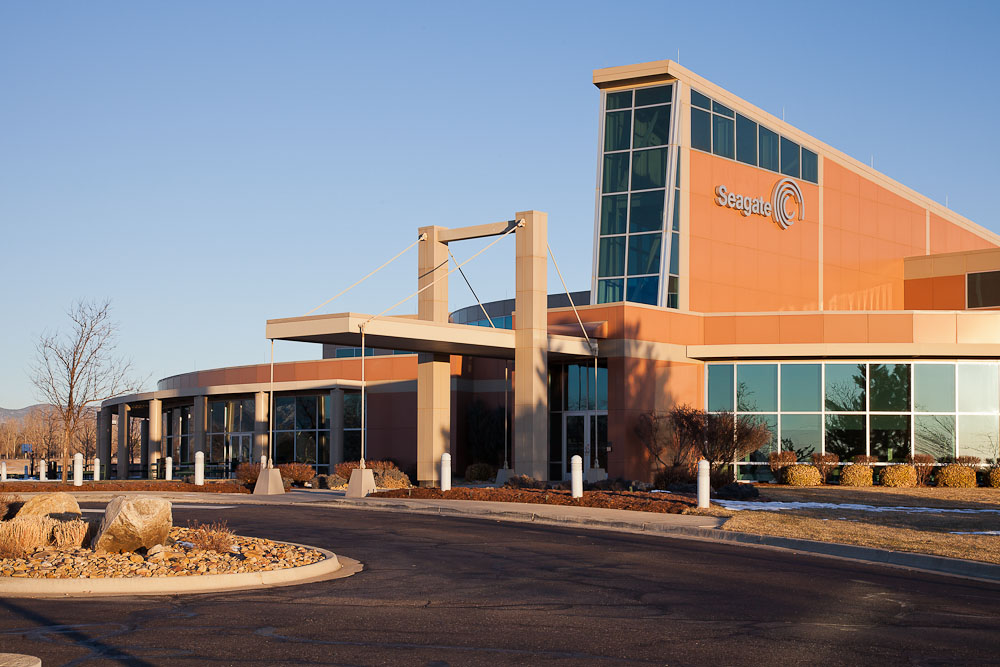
x=19, y=413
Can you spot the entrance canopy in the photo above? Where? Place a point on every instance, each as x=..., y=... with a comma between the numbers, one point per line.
x=414, y=335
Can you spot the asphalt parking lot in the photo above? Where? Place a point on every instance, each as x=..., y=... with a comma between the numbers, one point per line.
x=438, y=591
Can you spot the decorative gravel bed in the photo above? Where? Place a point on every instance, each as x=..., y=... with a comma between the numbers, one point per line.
x=228, y=486
x=620, y=500
x=177, y=559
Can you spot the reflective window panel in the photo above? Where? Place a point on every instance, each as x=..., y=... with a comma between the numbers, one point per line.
x=757, y=387
x=800, y=387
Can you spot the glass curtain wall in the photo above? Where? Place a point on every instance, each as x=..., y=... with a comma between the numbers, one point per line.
x=302, y=429
x=889, y=410
x=636, y=196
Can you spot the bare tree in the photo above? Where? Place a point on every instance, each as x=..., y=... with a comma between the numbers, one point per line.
x=76, y=370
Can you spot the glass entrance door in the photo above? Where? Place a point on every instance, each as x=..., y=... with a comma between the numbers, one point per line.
x=576, y=440
x=238, y=449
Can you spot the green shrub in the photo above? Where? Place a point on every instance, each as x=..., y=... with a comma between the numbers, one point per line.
x=825, y=463
x=856, y=474
x=956, y=476
x=924, y=465
x=802, y=474
x=480, y=472
x=392, y=478
x=780, y=460
x=899, y=476
x=993, y=478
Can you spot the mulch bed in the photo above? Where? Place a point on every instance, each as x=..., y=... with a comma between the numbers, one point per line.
x=135, y=485
x=619, y=500
x=179, y=559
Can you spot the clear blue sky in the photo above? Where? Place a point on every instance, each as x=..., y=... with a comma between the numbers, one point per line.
x=210, y=165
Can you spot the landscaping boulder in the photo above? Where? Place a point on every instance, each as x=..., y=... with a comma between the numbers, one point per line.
x=133, y=523
x=56, y=505
x=737, y=491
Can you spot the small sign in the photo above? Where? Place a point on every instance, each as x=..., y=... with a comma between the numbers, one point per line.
x=25, y=449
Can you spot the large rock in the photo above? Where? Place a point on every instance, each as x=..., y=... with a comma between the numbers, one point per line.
x=56, y=505
x=133, y=523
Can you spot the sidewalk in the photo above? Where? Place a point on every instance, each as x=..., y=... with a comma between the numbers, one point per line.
x=686, y=526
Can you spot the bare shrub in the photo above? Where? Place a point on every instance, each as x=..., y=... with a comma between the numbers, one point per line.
x=825, y=463
x=673, y=475
x=663, y=436
x=19, y=537
x=864, y=460
x=969, y=461
x=993, y=478
x=480, y=472
x=924, y=465
x=525, y=482
x=778, y=461
x=344, y=469
x=298, y=473
x=69, y=534
x=248, y=473
x=215, y=536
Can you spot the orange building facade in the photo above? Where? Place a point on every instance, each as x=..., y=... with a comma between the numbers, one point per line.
x=739, y=265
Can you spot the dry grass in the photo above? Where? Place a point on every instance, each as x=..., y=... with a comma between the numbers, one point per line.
x=19, y=537
x=214, y=536
x=882, y=531
x=69, y=534
x=982, y=498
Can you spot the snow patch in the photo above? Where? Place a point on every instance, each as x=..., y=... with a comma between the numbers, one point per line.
x=777, y=506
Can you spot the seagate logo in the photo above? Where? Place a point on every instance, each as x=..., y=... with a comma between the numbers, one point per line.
x=776, y=209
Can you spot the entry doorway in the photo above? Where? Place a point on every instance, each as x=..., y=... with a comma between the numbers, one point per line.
x=585, y=434
x=238, y=449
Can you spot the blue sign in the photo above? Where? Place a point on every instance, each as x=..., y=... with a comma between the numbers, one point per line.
x=25, y=449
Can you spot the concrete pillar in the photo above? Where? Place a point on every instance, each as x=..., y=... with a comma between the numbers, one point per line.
x=433, y=370
x=123, y=420
x=531, y=357
x=261, y=425
x=143, y=446
x=78, y=469
x=199, y=417
x=103, y=436
x=155, y=437
x=336, y=427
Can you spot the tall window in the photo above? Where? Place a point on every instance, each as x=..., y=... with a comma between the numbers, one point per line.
x=302, y=429
x=633, y=211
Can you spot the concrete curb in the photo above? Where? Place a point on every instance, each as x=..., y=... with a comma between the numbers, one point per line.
x=941, y=565
x=330, y=567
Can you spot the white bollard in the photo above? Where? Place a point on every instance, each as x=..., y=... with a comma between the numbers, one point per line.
x=446, y=472
x=263, y=461
x=3, y=471
x=78, y=469
x=576, y=475
x=199, y=469
x=168, y=473
x=704, y=490
x=97, y=468
x=41, y=471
